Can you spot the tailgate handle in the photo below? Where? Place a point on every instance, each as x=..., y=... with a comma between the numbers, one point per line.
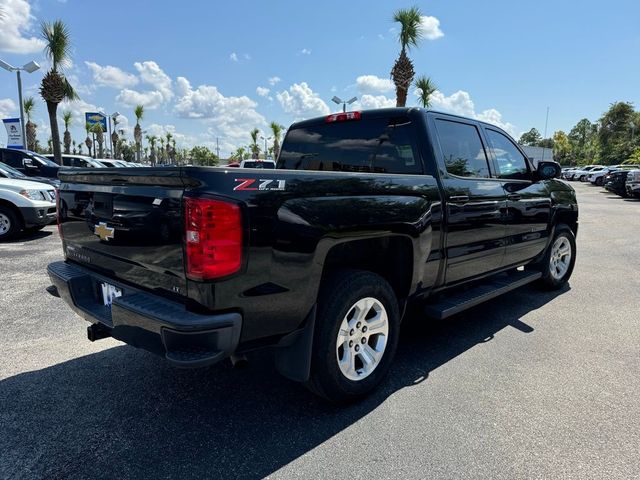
x=459, y=198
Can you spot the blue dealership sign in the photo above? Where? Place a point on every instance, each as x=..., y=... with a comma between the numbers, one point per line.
x=96, y=117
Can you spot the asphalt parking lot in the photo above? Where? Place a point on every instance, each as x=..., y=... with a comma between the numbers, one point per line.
x=531, y=385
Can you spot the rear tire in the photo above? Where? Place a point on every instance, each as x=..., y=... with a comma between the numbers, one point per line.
x=10, y=223
x=357, y=329
x=559, y=259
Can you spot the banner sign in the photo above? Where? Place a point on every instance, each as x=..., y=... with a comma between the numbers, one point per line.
x=14, y=133
x=96, y=117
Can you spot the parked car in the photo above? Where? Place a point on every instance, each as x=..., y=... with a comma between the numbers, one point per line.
x=25, y=206
x=633, y=183
x=258, y=164
x=111, y=163
x=567, y=173
x=9, y=172
x=30, y=163
x=598, y=177
x=582, y=173
x=616, y=182
x=78, y=161
x=367, y=213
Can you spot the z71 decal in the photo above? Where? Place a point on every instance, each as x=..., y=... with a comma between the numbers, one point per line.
x=260, y=185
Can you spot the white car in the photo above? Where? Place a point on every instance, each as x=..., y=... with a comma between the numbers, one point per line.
x=582, y=173
x=597, y=177
x=25, y=205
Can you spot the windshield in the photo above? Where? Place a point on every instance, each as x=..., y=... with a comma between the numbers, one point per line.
x=44, y=160
x=10, y=172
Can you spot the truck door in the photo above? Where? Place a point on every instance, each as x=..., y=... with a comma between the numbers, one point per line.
x=475, y=202
x=528, y=202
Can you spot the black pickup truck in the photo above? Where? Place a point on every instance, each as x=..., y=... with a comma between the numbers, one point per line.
x=366, y=214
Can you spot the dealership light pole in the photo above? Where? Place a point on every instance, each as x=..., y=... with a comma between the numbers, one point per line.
x=265, y=145
x=344, y=102
x=29, y=68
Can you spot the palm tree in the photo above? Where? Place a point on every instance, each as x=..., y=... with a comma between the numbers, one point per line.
x=74, y=147
x=29, y=105
x=137, y=131
x=67, y=117
x=152, y=142
x=255, y=149
x=88, y=141
x=99, y=132
x=276, y=130
x=425, y=87
x=55, y=87
x=410, y=34
x=169, y=156
x=173, y=148
x=115, y=140
x=161, y=150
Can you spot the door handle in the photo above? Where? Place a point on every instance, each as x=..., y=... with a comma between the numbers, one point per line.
x=514, y=196
x=459, y=198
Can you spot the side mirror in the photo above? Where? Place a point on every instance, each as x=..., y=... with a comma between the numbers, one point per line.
x=547, y=170
x=29, y=166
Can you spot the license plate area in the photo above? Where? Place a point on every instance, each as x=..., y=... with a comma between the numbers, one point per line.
x=109, y=292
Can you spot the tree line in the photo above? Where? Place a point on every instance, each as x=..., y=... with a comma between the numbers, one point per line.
x=613, y=139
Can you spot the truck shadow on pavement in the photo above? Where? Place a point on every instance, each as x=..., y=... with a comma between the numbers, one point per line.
x=123, y=413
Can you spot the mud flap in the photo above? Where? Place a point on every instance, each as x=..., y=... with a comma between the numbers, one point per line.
x=293, y=354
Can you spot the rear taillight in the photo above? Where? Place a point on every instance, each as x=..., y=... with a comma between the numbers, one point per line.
x=343, y=117
x=213, y=238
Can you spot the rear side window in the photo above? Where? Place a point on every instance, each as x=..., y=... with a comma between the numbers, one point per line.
x=511, y=163
x=13, y=158
x=379, y=145
x=462, y=148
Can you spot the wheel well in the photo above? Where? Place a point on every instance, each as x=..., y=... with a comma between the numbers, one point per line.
x=568, y=218
x=13, y=208
x=389, y=257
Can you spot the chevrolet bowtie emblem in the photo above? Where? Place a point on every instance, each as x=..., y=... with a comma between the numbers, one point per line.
x=104, y=232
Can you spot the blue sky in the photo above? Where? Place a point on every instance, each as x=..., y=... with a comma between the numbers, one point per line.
x=218, y=69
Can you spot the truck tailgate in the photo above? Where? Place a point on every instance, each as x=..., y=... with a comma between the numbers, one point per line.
x=126, y=223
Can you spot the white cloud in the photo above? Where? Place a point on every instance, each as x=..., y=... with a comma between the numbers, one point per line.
x=110, y=76
x=273, y=80
x=16, y=27
x=431, y=27
x=233, y=57
x=374, y=84
x=8, y=108
x=231, y=117
x=375, y=101
x=305, y=51
x=247, y=56
x=151, y=74
x=460, y=103
x=131, y=98
x=301, y=101
x=262, y=91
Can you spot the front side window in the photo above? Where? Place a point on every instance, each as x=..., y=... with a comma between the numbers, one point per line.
x=462, y=148
x=376, y=145
x=511, y=163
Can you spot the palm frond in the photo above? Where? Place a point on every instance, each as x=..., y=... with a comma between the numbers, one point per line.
x=57, y=43
x=29, y=104
x=138, y=112
x=425, y=87
x=410, y=20
x=67, y=117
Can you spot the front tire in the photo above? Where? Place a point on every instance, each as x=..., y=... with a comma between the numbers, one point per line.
x=558, y=261
x=599, y=181
x=10, y=224
x=357, y=329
